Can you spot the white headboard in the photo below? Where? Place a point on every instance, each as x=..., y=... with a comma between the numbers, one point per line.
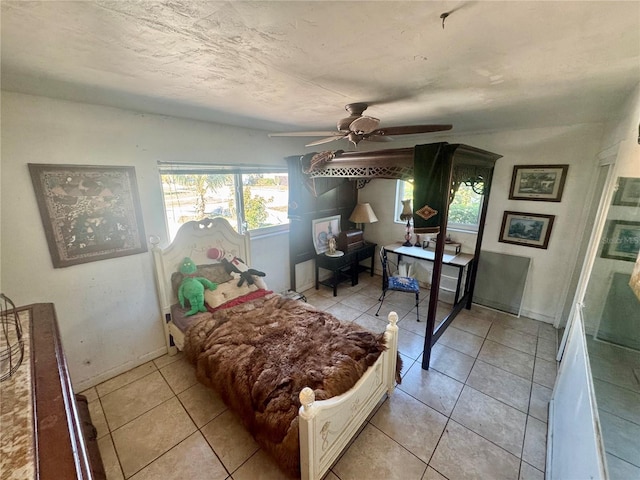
x=193, y=240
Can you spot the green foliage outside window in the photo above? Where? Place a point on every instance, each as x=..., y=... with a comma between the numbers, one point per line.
x=464, y=211
x=255, y=209
x=465, y=208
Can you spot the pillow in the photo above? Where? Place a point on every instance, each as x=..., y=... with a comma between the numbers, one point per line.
x=226, y=292
x=214, y=272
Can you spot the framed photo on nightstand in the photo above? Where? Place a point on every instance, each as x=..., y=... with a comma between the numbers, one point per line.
x=322, y=229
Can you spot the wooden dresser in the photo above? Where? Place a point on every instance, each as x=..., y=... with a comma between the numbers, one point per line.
x=45, y=430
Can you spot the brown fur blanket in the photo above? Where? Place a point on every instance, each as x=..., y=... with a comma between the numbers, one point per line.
x=260, y=354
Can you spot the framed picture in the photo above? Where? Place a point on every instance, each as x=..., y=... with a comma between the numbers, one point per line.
x=538, y=182
x=89, y=213
x=622, y=241
x=528, y=229
x=628, y=192
x=322, y=229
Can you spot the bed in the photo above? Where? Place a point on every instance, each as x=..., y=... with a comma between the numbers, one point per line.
x=302, y=402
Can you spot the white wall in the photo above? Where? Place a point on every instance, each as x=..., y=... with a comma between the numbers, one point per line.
x=107, y=310
x=621, y=137
x=578, y=146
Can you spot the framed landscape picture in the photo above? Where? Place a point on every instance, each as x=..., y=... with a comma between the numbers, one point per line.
x=538, y=182
x=528, y=229
x=89, y=213
x=322, y=229
x=628, y=192
x=622, y=240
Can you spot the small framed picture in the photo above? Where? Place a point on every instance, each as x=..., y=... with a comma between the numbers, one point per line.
x=628, y=192
x=528, y=229
x=538, y=182
x=622, y=240
x=322, y=229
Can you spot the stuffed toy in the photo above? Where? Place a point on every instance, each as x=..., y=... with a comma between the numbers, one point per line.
x=227, y=291
x=233, y=264
x=192, y=288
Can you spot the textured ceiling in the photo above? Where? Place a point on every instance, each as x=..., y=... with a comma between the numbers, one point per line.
x=294, y=65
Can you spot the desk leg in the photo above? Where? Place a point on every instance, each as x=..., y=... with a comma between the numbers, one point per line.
x=373, y=257
x=467, y=283
x=458, y=284
x=317, y=274
x=336, y=278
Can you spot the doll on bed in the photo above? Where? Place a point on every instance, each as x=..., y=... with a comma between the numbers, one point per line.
x=235, y=265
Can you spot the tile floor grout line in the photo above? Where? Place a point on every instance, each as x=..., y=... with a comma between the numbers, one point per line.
x=496, y=399
x=139, y=415
x=115, y=451
x=126, y=384
x=144, y=413
x=400, y=445
x=486, y=439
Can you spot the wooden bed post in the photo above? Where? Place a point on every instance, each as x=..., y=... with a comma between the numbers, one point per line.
x=391, y=336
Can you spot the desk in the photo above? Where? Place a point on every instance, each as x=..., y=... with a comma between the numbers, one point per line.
x=345, y=267
x=50, y=430
x=460, y=261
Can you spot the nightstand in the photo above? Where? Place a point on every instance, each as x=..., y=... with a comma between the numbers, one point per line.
x=345, y=267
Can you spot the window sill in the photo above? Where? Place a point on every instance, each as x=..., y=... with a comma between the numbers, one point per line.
x=268, y=231
x=469, y=230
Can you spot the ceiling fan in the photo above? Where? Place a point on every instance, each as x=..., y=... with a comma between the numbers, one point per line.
x=357, y=127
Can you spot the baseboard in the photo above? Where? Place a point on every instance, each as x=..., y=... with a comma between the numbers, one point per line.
x=537, y=316
x=114, y=372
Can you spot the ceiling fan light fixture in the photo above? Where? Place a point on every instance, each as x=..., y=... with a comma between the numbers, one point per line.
x=343, y=124
x=364, y=125
x=354, y=138
x=357, y=127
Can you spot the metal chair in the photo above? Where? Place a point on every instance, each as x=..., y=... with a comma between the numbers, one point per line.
x=396, y=283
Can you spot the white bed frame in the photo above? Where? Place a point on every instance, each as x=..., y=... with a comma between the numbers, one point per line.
x=327, y=426
x=193, y=240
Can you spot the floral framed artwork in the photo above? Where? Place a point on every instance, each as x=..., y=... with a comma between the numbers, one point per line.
x=322, y=229
x=622, y=240
x=88, y=212
x=538, y=182
x=528, y=229
x=628, y=192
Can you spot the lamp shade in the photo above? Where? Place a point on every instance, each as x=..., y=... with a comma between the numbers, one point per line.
x=406, y=213
x=363, y=213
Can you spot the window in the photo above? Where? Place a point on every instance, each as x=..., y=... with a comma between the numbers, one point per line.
x=250, y=200
x=464, y=211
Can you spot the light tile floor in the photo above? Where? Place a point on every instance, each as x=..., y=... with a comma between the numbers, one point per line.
x=479, y=412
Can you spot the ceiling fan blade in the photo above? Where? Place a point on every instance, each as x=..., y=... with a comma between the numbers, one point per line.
x=326, y=140
x=304, y=134
x=411, y=129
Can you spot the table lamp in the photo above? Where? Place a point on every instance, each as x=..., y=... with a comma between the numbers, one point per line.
x=407, y=214
x=363, y=213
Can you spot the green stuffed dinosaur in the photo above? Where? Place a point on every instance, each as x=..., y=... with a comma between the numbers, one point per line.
x=192, y=287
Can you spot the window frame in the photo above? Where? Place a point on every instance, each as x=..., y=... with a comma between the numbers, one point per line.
x=237, y=171
x=458, y=227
